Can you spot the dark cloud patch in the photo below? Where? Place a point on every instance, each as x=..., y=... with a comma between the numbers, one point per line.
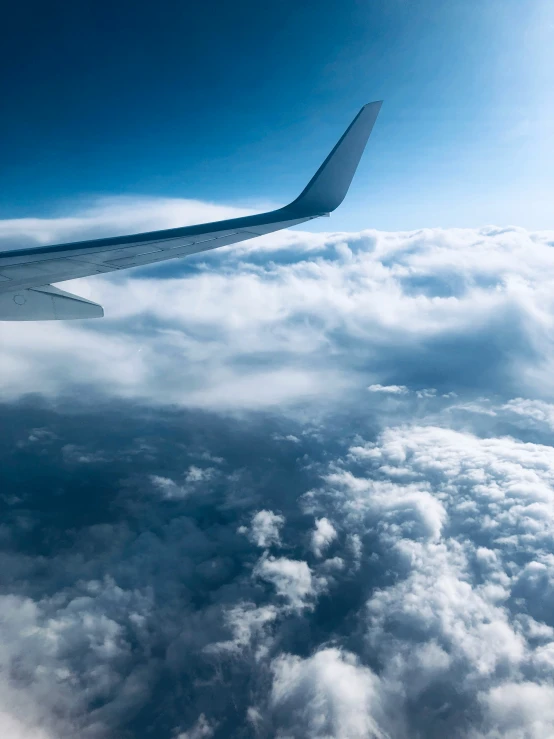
x=91, y=536
x=476, y=359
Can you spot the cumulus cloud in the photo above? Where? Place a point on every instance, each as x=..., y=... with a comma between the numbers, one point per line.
x=264, y=528
x=58, y=656
x=328, y=694
x=468, y=522
x=323, y=535
x=250, y=628
x=519, y=709
x=292, y=579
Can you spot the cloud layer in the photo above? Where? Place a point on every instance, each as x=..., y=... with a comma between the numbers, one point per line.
x=296, y=488
x=295, y=316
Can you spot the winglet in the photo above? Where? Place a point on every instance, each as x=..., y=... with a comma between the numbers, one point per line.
x=328, y=187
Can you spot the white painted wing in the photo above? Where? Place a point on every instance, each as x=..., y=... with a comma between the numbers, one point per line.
x=26, y=269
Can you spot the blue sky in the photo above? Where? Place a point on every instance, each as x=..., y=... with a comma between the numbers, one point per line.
x=238, y=103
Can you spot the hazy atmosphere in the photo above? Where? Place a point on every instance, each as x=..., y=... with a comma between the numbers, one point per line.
x=301, y=486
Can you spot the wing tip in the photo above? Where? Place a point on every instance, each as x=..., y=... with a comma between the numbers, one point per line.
x=373, y=107
x=328, y=187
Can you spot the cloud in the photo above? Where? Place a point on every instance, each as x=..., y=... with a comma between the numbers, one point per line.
x=468, y=522
x=61, y=655
x=518, y=709
x=249, y=625
x=323, y=535
x=194, y=480
x=111, y=216
x=291, y=578
x=328, y=694
x=16, y=729
x=531, y=410
x=391, y=389
x=264, y=528
x=168, y=487
x=202, y=729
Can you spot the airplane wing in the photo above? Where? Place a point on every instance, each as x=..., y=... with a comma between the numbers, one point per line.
x=25, y=274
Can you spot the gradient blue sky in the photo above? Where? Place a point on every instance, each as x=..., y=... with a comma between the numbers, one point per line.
x=237, y=103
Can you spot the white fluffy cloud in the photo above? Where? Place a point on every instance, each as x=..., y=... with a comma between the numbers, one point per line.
x=292, y=579
x=323, y=535
x=390, y=389
x=469, y=523
x=328, y=694
x=520, y=709
x=59, y=654
x=264, y=528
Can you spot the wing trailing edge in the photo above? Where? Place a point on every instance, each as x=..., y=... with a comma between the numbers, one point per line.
x=46, y=303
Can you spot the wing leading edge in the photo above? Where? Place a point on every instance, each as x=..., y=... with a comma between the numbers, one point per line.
x=24, y=271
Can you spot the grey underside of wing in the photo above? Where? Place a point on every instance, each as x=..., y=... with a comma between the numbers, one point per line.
x=34, y=267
